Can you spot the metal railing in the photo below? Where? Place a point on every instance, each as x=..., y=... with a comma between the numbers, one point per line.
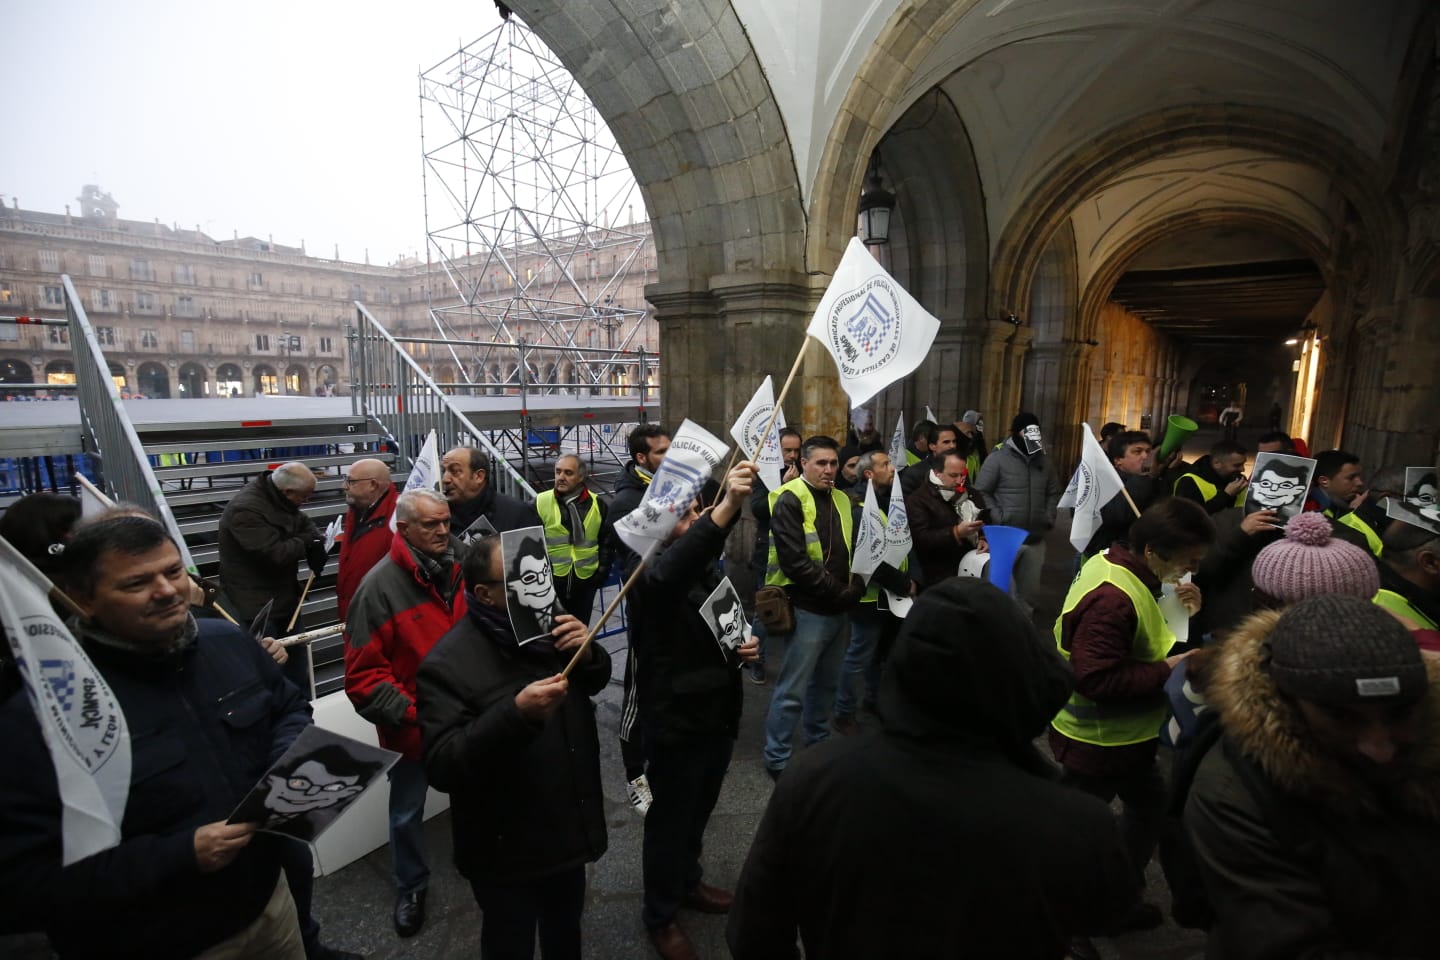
x=394, y=393
x=106, y=429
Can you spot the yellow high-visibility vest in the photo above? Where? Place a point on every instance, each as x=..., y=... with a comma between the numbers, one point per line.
x=1353, y=521
x=583, y=557
x=1395, y=603
x=1116, y=724
x=776, y=577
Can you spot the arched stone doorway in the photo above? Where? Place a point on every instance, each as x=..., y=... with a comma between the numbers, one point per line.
x=60, y=372
x=16, y=371
x=297, y=381
x=327, y=379
x=118, y=377
x=153, y=380
x=192, y=382
x=265, y=381
x=229, y=381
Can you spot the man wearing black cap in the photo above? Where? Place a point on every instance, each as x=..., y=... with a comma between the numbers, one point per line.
x=1316, y=819
x=945, y=835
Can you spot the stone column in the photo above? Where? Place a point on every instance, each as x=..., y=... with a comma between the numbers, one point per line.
x=1074, y=401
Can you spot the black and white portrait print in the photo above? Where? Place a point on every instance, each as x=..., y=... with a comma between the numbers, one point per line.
x=530, y=596
x=312, y=784
x=724, y=615
x=1279, y=482
x=1422, y=515
x=1420, y=488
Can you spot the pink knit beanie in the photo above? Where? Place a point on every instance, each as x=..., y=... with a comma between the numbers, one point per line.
x=1309, y=562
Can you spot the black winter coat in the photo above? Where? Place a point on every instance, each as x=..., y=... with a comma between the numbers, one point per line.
x=501, y=511
x=525, y=798
x=263, y=539
x=629, y=491
x=945, y=835
x=824, y=588
x=690, y=686
x=205, y=723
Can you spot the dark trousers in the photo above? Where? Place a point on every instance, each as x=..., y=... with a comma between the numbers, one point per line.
x=685, y=778
x=578, y=596
x=514, y=912
x=1142, y=793
x=299, y=869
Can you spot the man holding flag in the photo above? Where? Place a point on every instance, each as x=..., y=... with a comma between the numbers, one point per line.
x=159, y=873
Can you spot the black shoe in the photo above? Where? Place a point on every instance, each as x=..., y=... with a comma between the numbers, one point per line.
x=410, y=913
x=322, y=952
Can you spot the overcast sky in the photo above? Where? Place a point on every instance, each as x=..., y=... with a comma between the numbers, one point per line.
x=297, y=119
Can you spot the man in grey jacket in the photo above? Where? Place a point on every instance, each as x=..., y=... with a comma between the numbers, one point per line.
x=1021, y=490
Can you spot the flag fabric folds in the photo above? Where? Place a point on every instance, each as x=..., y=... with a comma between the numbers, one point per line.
x=1095, y=483
x=83, y=725
x=870, y=538
x=693, y=455
x=425, y=475
x=874, y=330
x=897, y=444
x=93, y=501
x=746, y=431
x=897, y=531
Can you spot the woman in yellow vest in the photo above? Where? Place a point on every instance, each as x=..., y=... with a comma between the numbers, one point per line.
x=1115, y=637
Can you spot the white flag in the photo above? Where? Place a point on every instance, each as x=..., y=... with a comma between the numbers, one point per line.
x=1095, y=483
x=82, y=723
x=897, y=444
x=693, y=455
x=899, y=606
x=930, y=414
x=425, y=475
x=870, y=538
x=873, y=328
x=333, y=532
x=746, y=432
x=93, y=502
x=897, y=530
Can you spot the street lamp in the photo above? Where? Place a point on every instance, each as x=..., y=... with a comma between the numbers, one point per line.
x=876, y=205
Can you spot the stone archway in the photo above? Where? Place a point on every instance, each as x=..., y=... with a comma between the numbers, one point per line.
x=229, y=381
x=297, y=381
x=119, y=377
x=60, y=372
x=16, y=371
x=192, y=382
x=153, y=380
x=264, y=380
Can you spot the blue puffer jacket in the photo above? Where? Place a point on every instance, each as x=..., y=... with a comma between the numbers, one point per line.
x=205, y=723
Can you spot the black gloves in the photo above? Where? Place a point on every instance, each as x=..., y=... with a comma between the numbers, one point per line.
x=315, y=555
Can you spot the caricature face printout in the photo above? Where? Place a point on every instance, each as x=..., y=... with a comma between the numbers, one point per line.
x=530, y=596
x=1279, y=482
x=312, y=784
x=725, y=617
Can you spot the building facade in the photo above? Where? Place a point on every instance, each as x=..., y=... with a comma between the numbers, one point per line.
x=181, y=315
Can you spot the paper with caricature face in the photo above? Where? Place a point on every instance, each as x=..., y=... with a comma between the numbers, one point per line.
x=312, y=784
x=1426, y=516
x=1279, y=482
x=725, y=616
x=1420, y=487
x=530, y=596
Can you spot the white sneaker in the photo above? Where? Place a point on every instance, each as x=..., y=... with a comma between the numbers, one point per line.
x=638, y=790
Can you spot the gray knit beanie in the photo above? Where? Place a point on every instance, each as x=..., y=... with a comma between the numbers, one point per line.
x=1344, y=650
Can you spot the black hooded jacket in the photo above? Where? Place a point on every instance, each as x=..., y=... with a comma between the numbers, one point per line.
x=945, y=835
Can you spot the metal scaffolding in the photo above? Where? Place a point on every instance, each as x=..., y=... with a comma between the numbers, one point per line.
x=525, y=192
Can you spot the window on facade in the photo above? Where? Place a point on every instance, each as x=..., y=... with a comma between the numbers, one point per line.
x=140, y=270
x=257, y=279
x=106, y=336
x=57, y=334
x=50, y=260
x=9, y=332
x=325, y=345
x=262, y=341
x=97, y=266
x=355, y=292
x=187, y=341
x=184, y=273
x=144, y=301
x=185, y=306
x=383, y=295
x=149, y=338
x=7, y=292
x=102, y=300
x=54, y=296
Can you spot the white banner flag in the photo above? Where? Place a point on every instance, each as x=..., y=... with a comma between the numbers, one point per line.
x=93, y=501
x=746, y=432
x=897, y=444
x=870, y=538
x=873, y=328
x=82, y=723
x=693, y=455
x=897, y=530
x=425, y=475
x=333, y=532
x=1095, y=483
x=930, y=415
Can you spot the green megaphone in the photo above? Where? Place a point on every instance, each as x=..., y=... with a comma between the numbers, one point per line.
x=1176, y=434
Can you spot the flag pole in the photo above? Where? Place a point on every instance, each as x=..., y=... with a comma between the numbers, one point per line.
x=1129, y=499
x=604, y=617
x=774, y=415
x=296, y=615
x=221, y=610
